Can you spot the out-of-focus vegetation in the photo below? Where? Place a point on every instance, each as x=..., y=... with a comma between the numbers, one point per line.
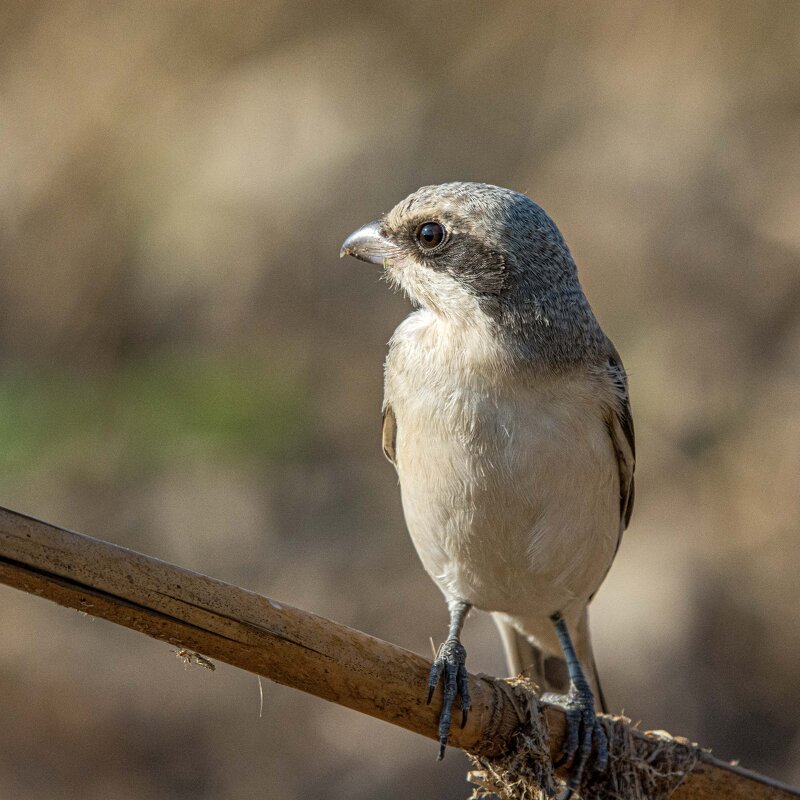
x=187, y=368
x=150, y=413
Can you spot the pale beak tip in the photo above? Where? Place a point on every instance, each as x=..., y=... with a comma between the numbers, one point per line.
x=366, y=244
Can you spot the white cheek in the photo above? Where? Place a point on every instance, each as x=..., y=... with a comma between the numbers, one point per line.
x=433, y=289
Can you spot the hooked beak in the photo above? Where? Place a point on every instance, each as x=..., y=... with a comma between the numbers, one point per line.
x=367, y=244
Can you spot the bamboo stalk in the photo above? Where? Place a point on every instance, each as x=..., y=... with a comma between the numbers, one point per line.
x=285, y=644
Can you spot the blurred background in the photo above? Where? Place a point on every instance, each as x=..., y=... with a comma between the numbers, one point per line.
x=187, y=368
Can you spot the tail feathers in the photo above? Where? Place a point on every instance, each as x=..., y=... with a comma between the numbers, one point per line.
x=600, y=703
x=549, y=672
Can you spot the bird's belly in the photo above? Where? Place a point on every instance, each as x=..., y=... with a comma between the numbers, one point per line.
x=512, y=504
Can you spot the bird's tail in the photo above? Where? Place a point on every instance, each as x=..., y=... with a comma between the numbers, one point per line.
x=549, y=672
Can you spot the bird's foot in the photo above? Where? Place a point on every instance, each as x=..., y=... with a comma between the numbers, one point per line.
x=450, y=668
x=584, y=733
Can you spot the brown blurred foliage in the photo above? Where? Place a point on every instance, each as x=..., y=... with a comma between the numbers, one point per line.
x=180, y=346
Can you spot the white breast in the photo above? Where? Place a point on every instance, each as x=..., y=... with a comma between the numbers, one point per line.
x=509, y=481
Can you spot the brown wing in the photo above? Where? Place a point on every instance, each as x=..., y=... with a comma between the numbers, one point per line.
x=389, y=434
x=620, y=426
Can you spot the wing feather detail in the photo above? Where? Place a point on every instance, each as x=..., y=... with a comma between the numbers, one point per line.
x=389, y=434
x=620, y=426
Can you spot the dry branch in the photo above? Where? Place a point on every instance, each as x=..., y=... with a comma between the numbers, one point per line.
x=287, y=645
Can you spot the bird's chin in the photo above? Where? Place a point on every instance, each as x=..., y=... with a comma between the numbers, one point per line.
x=393, y=275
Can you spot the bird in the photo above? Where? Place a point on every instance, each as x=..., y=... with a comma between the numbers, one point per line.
x=507, y=417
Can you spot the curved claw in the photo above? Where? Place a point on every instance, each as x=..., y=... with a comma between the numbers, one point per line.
x=450, y=667
x=584, y=733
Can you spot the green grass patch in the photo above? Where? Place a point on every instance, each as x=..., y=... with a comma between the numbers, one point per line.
x=151, y=412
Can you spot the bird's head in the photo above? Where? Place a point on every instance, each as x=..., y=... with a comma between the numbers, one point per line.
x=461, y=249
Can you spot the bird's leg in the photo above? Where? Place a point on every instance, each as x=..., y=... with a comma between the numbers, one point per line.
x=583, y=728
x=450, y=667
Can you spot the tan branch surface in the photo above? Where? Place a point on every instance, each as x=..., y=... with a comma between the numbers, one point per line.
x=284, y=644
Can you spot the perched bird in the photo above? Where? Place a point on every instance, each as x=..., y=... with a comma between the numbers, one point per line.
x=506, y=415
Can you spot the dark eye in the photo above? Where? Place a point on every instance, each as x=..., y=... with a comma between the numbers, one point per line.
x=430, y=235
